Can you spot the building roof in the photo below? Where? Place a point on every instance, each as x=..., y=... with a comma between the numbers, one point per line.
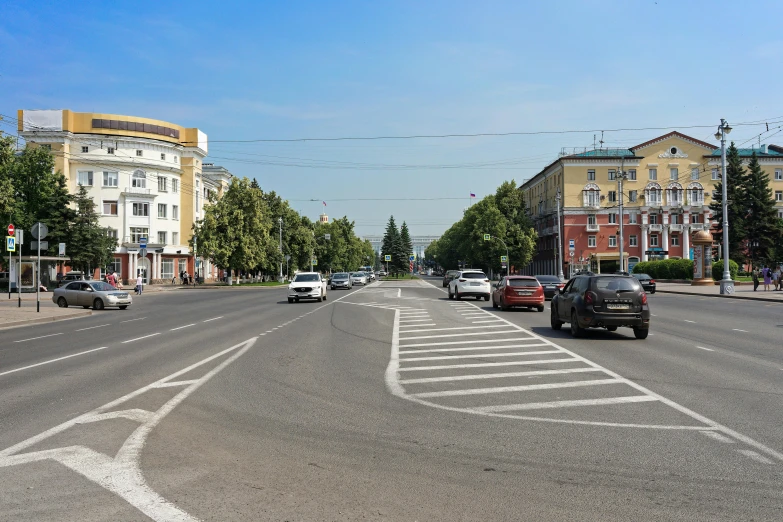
x=673, y=134
x=604, y=153
x=763, y=151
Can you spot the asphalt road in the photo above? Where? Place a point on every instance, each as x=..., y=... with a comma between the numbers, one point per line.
x=390, y=403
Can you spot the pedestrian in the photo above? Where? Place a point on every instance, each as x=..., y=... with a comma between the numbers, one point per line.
x=776, y=279
x=185, y=279
x=112, y=279
x=139, y=284
x=755, y=275
x=767, y=275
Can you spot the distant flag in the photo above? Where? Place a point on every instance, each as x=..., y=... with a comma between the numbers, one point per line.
x=324, y=202
x=472, y=195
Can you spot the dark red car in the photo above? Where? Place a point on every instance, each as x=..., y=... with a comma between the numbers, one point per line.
x=518, y=291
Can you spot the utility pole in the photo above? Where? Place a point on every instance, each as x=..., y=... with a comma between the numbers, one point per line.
x=620, y=180
x=559, y=240
x=726, y=284
x=281, y=248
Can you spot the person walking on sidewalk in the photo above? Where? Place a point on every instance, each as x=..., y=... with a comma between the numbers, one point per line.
x=765, y=272
x=139, y=284
x=755, y=275
x=776, y=279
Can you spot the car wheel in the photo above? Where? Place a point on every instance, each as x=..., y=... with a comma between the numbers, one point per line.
x=456, y=295
x=554, y=321
x=451, y=296
x=123, y=307
x=478, y=298
x=641, y=333
x=290, y=299
x=486, y=297
x=503, y=305
x=652, y=291
x=541, y=308
x=494, y=304
x=332, y=287
x=324, y=297
x=576, y=330
x=611, y=328
x=97, y=304
x=62, y=303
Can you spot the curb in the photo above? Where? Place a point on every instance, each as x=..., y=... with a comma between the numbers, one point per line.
x=764, y=299
x=40, y=320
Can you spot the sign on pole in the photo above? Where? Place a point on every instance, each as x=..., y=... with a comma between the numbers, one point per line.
x=411, y=258
x=10, y=243
x=61, y=251
x=11, y=229
x=43, y=244
x=315, y=262
x=487, y=237
x=328, y=236
x=143, y=252
x=504, y=259
x=39, y=231
x=142, y=242
x=387, y=257
x=571, y=244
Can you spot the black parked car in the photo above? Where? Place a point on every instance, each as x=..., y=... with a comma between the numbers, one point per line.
x=601, y=301
x=552, y=285
x=451, y=274
x=648, y=283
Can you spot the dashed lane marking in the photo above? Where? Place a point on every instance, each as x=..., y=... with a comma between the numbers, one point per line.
x=39, y=337
x=739, y=330
x=140, y=338
x=92, y=327
x=183, y=326
x=131, y=320
x=706, y=349
x=52, y=360
x=689, y=321
x=213, y=319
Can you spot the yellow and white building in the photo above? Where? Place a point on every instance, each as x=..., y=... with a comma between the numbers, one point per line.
x=146, y=176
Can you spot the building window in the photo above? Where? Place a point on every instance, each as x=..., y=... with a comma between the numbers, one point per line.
x=632, y=175
x=110, y=232
x=175, y=238
x=779, y=195
x=141, y=209
x=138, y=233
x=110, y=179
x=613, y=196
x=780, y=214
x=161, y=238
x=612, y=175
x=675, y=219
x=632, y=219
x=674, y=173
x=675, y=196
x=182, y=264
x=715, y=175
x=174, y=211
x=162, y=210
x=653, y=219
x=163, y=157
x=109, y=208
x=633, y=195
x=162, y=184
x=139, y=153
x=778, y=175
x=116, y=266
x=612, y=218
x=85, y=149
x=632, y=241
x=139, y=179
x=653, y=194
x=176, y=159
x=590, y=241
x=167, y=269
x=84, y=177
x=592, y=198
x=675, y=240
x=653, y=174
x=695, y=174
x=695, y=218
x=591, y=219
x=654, y=240
x=174, y=185
x=109, y=150
x=612, y=241
x=591, y=175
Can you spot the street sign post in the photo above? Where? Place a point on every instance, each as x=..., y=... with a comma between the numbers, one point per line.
x=504, y=259
x=142, y=242
x=61, y=249
x=10, y=244
x=411, y=258
x=387, y=257
x=142, y=252
x=328, y=237
x=42, y=244
x=11, y=229
x=20, y=242
x=39, y=232
x=571, y=244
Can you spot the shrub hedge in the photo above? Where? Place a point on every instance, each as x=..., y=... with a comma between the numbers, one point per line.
x=717, y=269
x=666, y=269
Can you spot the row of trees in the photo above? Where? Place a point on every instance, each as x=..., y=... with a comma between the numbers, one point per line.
x=755, y=230
x=398, y=244
x=241, y=231
x=503, y=216
x=31, y=191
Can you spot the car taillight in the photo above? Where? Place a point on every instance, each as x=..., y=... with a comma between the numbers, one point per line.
x=652, y=281
x=644, y=298
x=486, y=280
x=462, y=280
x=539, y=290
x=561, y=285
x=590, y=298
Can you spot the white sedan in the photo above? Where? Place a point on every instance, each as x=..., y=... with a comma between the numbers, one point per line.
x=470, y=283
x=307, y=285
x=359, y=278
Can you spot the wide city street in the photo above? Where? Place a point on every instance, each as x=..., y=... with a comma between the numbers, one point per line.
x=390, y=402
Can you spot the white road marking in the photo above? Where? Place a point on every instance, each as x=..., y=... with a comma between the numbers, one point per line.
x=213, y=319
x=688, y=321
x=140, y=338
x=455, y=328
x=508, y=389
x=717, y=436
x=121, y=474
x=755, y=456
x=475, y=356
x=183, y=326
x=52, y=360
x=472, y=342
x=457, y=335
x=91, y=327
x=472, y=348
x=564, y=404
x=413, y=320
x=532, y=373
x=39, y=337
x=703, y=348
x=176, y=383
x=738, y=330
x=415, y=326
x=131, y=320
x=490, y=321
x=484, y=365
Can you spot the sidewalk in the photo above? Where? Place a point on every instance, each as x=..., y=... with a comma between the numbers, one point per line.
x=740, y=292
x=11, y=315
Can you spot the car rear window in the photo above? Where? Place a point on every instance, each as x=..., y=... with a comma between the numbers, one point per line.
x=548, y=279
x=473, y=275
x=523, y=283
x=614, y=284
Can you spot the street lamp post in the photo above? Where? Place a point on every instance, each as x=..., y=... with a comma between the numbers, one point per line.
x=559, y=240
x=726, y=284
x=280, y=221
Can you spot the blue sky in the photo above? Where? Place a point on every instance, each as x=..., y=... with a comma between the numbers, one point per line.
x=287, y=70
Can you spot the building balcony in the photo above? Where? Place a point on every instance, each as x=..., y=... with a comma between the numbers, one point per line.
x=656, y=228
x=695, y=227
x=593, y=227
x=676, y=227
x=136, y=191
x=132, y=242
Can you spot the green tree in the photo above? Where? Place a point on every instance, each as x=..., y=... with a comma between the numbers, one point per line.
x=60, y=216
x=407, y=246
x=737, y=180
x=762, y=225
x=89, y=247
x=7, y=201
x=390, y=241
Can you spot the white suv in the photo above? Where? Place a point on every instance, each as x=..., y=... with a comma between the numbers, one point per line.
x=474, y=283
x=307, y=285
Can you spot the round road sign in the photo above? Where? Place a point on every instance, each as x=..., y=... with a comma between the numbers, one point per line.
x=11, y=229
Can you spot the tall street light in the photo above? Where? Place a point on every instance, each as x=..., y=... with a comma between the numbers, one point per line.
x=726, y=284
x=280, y=221
x=559, y=240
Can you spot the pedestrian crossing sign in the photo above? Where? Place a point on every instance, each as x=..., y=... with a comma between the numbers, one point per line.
x=10, y=243
x=503, y=259
x=387, y=257
x=487, y=237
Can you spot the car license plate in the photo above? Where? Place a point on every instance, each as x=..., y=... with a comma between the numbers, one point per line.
x=524, y=293
x=475, y=284
x=617, y=306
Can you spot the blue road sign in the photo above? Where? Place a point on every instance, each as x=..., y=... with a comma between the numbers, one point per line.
x=142, y=242
x=387, y=257
x=10, y=243
x=412, y=257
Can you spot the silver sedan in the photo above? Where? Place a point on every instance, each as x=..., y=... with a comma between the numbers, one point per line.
x=358, y=278
x=95, y=294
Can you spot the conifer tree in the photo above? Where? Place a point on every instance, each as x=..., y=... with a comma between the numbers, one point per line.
x=736, y=191
x=762, y=224
x=407, y=246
